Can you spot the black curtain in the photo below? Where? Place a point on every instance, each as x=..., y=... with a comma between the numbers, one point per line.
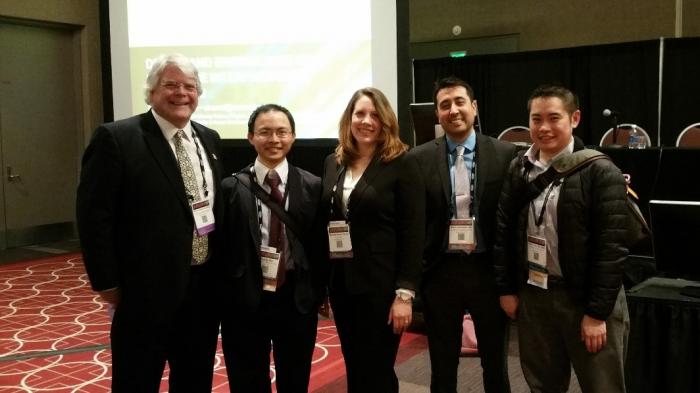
x=681, y=81
x=308, y=154
x=623, y=77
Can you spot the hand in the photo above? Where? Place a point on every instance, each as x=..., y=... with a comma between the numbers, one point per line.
x=509, y=304
x=593, y=333
x=111, y=296
x=400, y=315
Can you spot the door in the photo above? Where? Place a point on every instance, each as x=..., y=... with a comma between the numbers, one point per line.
x=38, y=133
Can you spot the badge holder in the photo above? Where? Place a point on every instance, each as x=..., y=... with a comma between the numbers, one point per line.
x=269, y=262
x=203, y=217
x=339, y=242
x=537, y=261
x=461, y=235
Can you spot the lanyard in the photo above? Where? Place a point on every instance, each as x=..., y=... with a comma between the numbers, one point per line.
x=201, y=166
x=257, y=201
x=340, y=172
x=538, y=219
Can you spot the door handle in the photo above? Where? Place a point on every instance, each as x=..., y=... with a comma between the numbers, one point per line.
x=11, y=176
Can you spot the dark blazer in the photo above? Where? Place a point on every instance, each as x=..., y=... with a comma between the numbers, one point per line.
x=134, y=220
x=387, y=225
x=492, y=159
x=241, y=241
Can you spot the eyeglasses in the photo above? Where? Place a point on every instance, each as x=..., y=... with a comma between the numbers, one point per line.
x=266, y=134
x=174, y=86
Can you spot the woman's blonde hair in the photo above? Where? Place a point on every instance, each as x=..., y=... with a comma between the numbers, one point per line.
x=389, y=145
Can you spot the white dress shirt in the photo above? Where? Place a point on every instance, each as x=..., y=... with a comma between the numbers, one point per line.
x=282, y=170
x=548, y=229
x=169, y=131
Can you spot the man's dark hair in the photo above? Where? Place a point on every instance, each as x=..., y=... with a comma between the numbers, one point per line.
x=451, y=81
x=568, y=98
x=269, y=108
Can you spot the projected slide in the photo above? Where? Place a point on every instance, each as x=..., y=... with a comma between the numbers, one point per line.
x=307, y=55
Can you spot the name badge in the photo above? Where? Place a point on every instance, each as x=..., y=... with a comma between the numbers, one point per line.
x=339, y=242
x=269, y=262
x=537, y=261
x=203, y=217
x=461, y=235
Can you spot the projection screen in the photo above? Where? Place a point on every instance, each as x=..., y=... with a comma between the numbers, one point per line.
x=307, y=55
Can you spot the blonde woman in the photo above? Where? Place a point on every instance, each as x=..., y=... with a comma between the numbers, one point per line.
x=376, y=233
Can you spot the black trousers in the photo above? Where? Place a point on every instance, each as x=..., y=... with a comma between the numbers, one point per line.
x=248, y=336
x=141, y=347
x=464, y=282
x=368, y=343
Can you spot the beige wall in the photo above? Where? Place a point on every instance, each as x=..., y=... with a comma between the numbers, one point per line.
x=82, y=17
x=691, y=18
x=548, y=24
x=535, y=24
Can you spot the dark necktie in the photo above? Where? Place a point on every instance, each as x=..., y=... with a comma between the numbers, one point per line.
x=276, y=229
x=200, y=244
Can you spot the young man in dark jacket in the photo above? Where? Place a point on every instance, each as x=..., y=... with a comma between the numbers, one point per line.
x=559, y=257
x=273, y=280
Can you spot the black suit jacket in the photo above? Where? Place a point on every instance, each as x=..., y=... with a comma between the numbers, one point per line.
x=387, y=224
x=492, y=159
x=241, y=242
x=134, y=220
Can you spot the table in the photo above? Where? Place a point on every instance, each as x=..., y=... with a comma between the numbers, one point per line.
x=664, y=342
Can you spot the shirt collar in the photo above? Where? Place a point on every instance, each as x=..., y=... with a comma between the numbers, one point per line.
x=469, y=143
x=169, y=130
x=261, y=171
x=534, y=152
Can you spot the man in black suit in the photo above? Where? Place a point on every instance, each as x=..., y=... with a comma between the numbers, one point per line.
x=147, y=208
x=274, y=281
x=461, y=209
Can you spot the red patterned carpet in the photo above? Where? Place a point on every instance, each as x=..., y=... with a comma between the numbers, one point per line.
x=54, y=334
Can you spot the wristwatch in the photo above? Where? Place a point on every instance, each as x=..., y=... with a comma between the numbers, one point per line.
x=403, y=297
